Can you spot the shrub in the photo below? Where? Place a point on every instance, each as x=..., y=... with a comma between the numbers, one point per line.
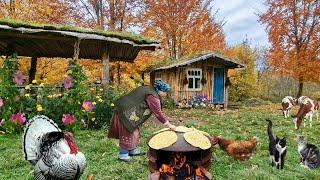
x=72, y=108
x=9, y=94
x=199, y=101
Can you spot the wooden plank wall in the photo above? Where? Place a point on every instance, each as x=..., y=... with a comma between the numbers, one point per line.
x=175, y=77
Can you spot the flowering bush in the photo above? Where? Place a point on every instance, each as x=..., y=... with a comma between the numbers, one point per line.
x=199, y=101
x=75, y=107
x=10, y=95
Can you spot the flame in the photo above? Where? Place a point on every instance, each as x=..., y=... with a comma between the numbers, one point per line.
x=178, y=161
x=198, y=172
x=165, y=168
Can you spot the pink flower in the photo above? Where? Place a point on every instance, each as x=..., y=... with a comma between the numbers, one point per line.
x=68, y=119
x=1, y=102
x=67, y=82
x=87, y=106
x=18, y=78
x=18, y=118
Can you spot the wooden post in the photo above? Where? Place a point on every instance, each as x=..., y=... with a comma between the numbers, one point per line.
x=105, y=69
x=33, y=69
x=76, y=50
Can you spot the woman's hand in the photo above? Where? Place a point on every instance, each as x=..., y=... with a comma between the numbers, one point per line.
x=171, y=126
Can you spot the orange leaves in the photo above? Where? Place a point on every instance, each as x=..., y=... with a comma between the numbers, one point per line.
x=183, y=27
x=293, y=29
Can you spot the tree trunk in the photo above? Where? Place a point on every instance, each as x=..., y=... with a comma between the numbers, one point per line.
x=12, y=12
x=33, y=69
x=112, y=13
x=101, y=15
x=300, y=87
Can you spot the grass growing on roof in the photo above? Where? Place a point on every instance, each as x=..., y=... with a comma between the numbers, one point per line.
x=121, y=35
x=240, y=124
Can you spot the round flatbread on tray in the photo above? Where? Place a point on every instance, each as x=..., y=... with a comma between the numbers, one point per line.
x=197, y=139
x=163, y=140
x=161, y=130
x=204, y=133
x=182, y=129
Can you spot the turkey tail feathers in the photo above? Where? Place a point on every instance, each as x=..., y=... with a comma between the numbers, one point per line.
x=35, y=129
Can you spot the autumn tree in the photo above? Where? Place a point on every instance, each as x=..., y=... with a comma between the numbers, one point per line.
x=244, y=83
x=182, y=26
x=111, y=15
x=293, y=27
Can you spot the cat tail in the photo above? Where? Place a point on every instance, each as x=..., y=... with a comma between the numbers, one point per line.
x=270, y=134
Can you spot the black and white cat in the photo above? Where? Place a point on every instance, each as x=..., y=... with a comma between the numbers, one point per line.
x=309, y=153
x=277, y=148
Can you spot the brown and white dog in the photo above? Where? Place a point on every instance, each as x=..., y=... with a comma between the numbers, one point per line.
x=307, y=109
x=287, y=103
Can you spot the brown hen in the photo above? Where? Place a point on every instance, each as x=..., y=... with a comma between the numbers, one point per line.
x=239, y=150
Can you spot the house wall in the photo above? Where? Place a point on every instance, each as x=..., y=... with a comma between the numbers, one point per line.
x=175, y=78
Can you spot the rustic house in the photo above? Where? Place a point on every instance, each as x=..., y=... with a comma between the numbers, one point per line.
x=204, y=74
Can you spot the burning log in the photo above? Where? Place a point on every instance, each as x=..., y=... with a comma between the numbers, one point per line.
x=181, y=161
x=179, y=168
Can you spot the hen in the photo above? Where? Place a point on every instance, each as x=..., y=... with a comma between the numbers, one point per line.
x=239, y=150
x=53, y=153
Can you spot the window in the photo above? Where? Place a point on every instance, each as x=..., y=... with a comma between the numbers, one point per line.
x=158, y=76
x=194, y=79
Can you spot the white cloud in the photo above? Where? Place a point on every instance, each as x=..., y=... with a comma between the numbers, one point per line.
x=242, y=21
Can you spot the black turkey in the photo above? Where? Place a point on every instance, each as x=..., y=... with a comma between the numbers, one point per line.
x=53, y=153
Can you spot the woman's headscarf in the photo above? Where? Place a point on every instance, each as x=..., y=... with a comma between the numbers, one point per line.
x=161, y=86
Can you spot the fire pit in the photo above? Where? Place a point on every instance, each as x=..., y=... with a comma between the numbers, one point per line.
x=179, y=161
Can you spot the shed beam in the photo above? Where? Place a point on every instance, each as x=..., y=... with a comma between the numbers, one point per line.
x=105, y=68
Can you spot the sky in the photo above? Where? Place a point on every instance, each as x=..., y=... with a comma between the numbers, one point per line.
x=241, y=21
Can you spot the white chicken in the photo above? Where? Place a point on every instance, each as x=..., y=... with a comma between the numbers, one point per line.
x=53, y=153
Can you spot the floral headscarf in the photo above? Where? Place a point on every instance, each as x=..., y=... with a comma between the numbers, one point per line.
x=161, y=86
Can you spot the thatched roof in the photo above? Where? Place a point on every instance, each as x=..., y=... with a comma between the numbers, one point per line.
x=217, y=58
x=43, y=40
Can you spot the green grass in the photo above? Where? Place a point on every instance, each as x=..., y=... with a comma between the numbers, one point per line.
x=121, y=35
x=237, y=124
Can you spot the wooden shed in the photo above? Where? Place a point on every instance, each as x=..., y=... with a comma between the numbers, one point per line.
x=47, y=40
x=204, y=74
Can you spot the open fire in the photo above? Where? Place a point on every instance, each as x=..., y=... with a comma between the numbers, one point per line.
x=180, y=169
x=179, y=161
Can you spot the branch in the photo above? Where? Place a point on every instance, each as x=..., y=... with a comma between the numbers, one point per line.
x=88, y=10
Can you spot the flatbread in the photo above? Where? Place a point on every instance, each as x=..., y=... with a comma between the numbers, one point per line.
x=197, y=139
x=182, y=129
x=161, y=130
x=204, y=133
x=163, y=140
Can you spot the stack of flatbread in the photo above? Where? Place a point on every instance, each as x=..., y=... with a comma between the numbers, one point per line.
x=166, y=137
